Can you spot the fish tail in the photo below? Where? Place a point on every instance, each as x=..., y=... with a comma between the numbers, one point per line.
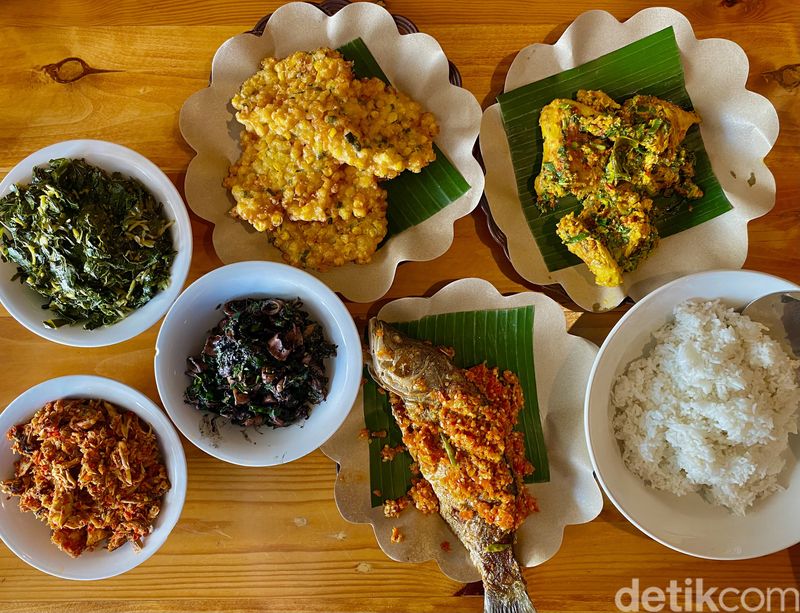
x=508, y=599
x=503, y=584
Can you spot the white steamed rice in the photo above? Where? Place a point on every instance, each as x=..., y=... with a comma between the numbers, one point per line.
x=709, y=409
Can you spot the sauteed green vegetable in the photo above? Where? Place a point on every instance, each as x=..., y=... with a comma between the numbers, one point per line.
x=95, y=245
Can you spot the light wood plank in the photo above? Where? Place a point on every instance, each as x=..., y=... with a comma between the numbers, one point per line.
x=272, y=539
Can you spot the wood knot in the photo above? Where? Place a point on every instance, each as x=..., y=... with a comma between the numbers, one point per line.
x=70, y=69
x=750, y=6
x=788, y=76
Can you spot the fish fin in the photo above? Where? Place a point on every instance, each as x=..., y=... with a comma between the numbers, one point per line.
x=511, y=599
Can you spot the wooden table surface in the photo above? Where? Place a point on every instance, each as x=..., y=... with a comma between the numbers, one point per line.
x=272, y=539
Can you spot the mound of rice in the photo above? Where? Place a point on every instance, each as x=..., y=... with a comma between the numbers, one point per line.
x=710, y=408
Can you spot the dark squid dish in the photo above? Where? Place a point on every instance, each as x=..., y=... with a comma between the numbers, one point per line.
x=262, y=364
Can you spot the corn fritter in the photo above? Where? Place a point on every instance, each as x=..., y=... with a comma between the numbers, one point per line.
x=323, y=245
x=277, y=178
x=315, y=98
x=315, y=145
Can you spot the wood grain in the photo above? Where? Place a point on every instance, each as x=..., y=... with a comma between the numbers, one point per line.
x=272, y=539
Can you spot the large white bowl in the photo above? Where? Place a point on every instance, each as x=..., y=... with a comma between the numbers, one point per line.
x=199, y=309
x=25, y=305
x=29, y=538
x=686, y=523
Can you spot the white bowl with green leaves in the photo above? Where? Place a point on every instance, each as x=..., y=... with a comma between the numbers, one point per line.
x=26, y=305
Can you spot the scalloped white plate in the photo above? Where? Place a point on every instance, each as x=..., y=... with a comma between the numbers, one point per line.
x=414, y=63
x=739, y=128
x=562, y=363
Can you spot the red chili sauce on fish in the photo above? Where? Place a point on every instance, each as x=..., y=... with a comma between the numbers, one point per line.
x=483, y=456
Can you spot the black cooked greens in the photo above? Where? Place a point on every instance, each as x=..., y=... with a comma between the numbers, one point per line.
x=95, y=245
x=262, y=364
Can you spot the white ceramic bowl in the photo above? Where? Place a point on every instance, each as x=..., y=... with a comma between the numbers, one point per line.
x=198, y=310
x=25, y=305
x=29, y=538
x=686, y=523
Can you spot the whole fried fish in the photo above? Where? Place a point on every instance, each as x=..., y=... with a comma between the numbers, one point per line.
x=466, y=448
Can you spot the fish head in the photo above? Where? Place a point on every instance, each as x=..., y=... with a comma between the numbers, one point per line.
x=405, y=366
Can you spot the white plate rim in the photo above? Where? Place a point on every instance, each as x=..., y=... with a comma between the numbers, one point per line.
x=359, y=283
x=576, y=280
x=579, y=504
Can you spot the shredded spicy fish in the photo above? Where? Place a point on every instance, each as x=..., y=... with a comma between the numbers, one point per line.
x=91, y=471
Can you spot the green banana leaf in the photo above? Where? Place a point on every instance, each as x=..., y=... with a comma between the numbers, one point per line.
x=412, y=197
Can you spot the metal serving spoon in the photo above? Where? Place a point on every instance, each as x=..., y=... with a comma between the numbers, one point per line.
x=780, y=312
